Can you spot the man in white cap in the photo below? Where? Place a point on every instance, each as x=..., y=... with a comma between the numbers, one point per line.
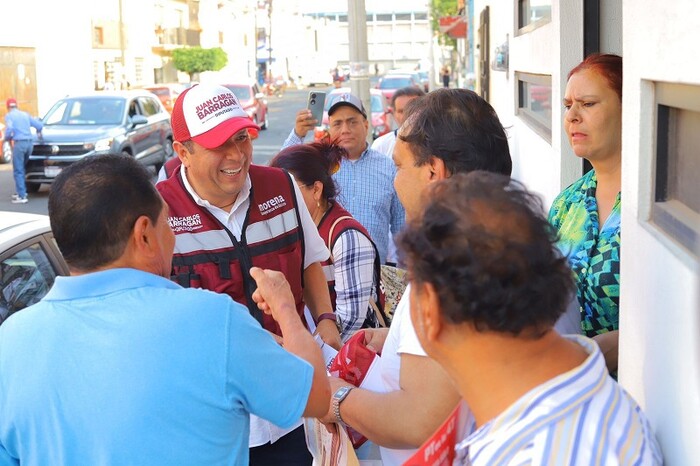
x=366, y=177
x=18, y=132
x=228, y=216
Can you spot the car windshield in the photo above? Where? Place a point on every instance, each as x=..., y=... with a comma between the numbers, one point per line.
x=395, y=82
x=242, y=92
x=86, y=111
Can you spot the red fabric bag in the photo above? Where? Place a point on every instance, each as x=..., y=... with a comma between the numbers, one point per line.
x=352, y=364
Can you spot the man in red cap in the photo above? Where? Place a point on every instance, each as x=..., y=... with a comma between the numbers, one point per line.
x=228, y=216
x=18, y=131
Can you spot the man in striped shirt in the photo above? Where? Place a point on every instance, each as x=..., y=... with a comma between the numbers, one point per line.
x=487, y=286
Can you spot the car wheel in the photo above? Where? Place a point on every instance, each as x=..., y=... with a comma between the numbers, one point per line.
x=6, y=152
x=33, y=187
x=266, y=122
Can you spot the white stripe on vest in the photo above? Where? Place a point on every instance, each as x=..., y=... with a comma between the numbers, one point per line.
x=255, y=233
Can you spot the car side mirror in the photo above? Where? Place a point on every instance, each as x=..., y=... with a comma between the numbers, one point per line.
x=138, y=120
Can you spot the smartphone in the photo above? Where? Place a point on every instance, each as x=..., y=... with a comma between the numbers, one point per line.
x=315, y=104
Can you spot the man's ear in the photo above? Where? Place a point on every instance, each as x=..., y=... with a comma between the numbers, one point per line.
x=430, y=312
x=438, y=170
x=143, y=236
x=182, y=152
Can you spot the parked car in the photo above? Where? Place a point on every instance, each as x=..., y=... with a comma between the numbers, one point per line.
x=167, y=93
x=5, y=147
x=390, y=83
x=29, y=261
x=131, y=123
x=253, y=102
x=382, y=118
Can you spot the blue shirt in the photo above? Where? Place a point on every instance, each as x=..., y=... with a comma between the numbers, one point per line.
x=366, y=190
x=581, y=417
x=18, y=125
x=123, y=367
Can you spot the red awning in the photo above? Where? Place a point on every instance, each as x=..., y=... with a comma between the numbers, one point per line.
x=454, y=26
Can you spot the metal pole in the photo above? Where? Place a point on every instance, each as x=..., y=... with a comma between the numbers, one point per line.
x=269, y=41
x=359, y=64
x=122, y=46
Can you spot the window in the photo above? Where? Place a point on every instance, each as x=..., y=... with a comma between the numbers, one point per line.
x=676, y=207
x=420, y=16
x=384, y=17
x=25, y=277
x=403, y=16
x=149, y=106
x=532, y=14
x=98, y=35
x=534, y=102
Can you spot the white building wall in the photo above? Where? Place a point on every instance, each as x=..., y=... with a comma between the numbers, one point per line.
x=61, y=46
x=660, y=282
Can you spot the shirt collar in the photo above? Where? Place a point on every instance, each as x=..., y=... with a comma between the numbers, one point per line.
x=568, y=390
x=242, y=196
x=105, y=282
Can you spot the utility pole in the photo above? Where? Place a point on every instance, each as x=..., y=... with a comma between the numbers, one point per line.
x=269, y=40
x=359, y=63
x=122, y=47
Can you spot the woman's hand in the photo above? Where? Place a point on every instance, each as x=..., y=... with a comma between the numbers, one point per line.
x=328, y=331
x=375, y=338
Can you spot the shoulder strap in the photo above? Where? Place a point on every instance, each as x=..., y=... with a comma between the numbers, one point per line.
x=330, y=233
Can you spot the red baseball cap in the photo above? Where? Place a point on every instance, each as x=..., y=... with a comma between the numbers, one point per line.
x=209, y=115
x=11, y=102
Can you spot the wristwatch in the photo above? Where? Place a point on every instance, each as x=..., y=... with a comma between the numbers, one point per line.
x=338, y=398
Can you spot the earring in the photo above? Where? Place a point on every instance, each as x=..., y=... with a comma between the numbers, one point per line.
x=318, y=204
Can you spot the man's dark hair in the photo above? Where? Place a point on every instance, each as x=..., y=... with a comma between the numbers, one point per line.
x=459, y=127
x=93, y=205
x=485, y=245
x=410, y=91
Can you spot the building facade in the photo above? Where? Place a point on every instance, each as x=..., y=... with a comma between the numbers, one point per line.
x=522, y=52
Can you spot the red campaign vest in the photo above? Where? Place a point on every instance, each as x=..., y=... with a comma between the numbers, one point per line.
x=324, y=230
x=171, y=165
x=208, y=256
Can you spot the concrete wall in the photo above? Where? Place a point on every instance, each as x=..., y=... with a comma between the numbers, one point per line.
x=660, y=286
x=61, y=45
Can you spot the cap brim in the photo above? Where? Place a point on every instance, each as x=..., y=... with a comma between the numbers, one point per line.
x=336, y=106
x=215, y=137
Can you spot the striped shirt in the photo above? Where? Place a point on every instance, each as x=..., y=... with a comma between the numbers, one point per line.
x=366, y=190
x=353, y=271
x=581, y=417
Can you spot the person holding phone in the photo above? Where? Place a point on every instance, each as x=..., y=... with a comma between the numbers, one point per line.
x=366, y=177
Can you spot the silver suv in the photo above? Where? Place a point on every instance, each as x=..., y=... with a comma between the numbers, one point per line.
x=131, y=123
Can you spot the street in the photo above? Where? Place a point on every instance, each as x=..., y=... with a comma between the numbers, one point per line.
x=282, y=112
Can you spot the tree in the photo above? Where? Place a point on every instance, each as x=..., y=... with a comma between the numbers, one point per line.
x=438, y=9
x=195, y=60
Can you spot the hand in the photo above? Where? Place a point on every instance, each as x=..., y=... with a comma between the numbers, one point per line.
x=335, y=383
x=609, y=345
x=329, y=333
x=304, y=123
x=375, y=338
x=273, y=294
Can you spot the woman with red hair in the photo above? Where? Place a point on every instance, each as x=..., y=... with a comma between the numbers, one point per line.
x=587, y=213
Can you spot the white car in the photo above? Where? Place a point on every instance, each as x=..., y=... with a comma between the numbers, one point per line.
x=29, y=261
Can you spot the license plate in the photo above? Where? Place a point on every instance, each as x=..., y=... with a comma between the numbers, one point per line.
x=52, y=172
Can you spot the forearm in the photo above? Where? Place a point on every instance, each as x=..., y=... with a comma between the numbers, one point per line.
x=426, y=398
x=316, y=295
x=292, y=140
x=298, y=341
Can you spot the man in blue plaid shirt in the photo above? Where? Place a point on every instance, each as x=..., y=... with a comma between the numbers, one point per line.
x=366, y=178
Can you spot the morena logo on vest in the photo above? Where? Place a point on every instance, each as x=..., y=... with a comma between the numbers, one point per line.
x=271, y=205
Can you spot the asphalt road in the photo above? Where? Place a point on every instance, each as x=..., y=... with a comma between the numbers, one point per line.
x=282, y=112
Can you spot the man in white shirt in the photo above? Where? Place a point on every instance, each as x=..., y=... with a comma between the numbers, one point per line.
x=229, y=216
x=448, y=131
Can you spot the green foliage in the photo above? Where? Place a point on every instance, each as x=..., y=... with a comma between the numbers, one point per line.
x=195, y=60
x=438, y=9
